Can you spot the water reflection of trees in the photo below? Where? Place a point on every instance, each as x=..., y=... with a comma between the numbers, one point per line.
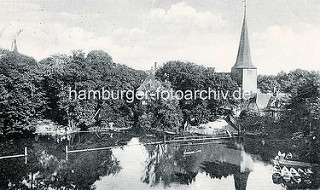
x=83, y=169
x=169, y=164
x=268, y=147
x=219, y=169
x=47, y=166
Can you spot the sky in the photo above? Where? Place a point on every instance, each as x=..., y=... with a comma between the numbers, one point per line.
x=284, y=34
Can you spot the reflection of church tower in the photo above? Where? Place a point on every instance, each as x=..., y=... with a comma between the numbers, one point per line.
x=241, y=180
x=244, y=72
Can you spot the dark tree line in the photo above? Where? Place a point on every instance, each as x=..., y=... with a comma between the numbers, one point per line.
x=186, y=76
x=299, y=116
x=283, y=82
x=22, y=99
x=33, y=90
x=301, y=110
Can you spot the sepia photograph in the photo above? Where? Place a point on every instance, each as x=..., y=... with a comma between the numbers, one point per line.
x=159, y=94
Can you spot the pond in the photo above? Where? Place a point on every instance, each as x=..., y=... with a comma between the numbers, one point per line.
x=131, y=163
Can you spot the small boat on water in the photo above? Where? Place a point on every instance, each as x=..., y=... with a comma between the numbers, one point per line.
x=161, y=131
x=170, y=132
x=307, y=175
x=276, y=174
x=304, y=174
x=309, y=171
x=281, y=155
x=292, y=163
x=286, y=160
x=276, y=161
x=285, y=173
x=288, y=156
x=292, y=173
x=276, y=169
x=296, y=177
x=276, y=178
x=186, y=153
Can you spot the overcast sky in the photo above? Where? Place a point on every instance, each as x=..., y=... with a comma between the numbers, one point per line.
x=284, y=34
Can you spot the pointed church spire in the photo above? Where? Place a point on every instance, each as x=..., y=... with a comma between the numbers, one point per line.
x=14, y=47
x=244, y=56
x=243, y=71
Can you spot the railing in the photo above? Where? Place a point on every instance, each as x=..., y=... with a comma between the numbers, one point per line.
x=18, y=155
x=175, y=140
x=178, y=140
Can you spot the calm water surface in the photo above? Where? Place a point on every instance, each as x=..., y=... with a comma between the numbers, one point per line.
x=131, y=164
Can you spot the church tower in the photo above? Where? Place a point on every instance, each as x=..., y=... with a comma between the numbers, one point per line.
x=243, y=71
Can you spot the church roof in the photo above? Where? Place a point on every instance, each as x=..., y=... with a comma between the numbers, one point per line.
x=259, y=101
x=150, y=83
x=262, y=101
x=244, y=56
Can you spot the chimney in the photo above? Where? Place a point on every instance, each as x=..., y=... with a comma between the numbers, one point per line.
x=155, y=66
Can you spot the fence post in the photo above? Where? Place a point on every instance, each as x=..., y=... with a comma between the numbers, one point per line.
x=25, y=155
x=67, y=152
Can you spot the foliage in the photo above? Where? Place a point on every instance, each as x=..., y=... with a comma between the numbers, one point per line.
x=301, y=113
x=31, y=90
x=186, y=76
x=250, y=120
x=21, y=96
x=283, y=82
x=48, y=168
x=303, y=109
x=160, y=113
x=94, y=72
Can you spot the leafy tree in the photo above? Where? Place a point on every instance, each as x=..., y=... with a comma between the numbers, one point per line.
x=31, y=90
x=93, y=71
x=302, y=111
x=187, y=76
x=159, y=113
x=283, y=82
x=21, y=98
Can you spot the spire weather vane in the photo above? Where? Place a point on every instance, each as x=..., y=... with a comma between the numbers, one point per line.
x=245, y=5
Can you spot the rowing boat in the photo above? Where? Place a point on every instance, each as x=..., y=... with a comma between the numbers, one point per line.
x=296, y=177
x=288, y=163
x=285, y=173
